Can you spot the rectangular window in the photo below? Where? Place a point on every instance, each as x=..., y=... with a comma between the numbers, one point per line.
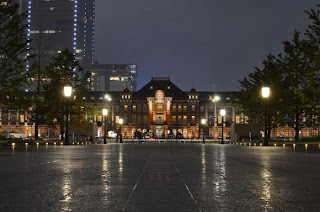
x=125, y=107
x=185, y=119
x=219, y=119
x=117, y=119
x=125, y=119
x=99, y=118
x=193, y=108
x=159, y=108
x=174, y=108
x=145, y=119
x=202, y=109
x=237, y=119
x=179, y=108
x=139, y=108
x=179, y=119
x=21, y=118
x=13, y=118
x=185, y=109
x=174, y=119
x=134, y=119
x=5, y=118
x=193, y=120
x=134, y=108
x=145, y=108
x=114, y=78
x=139, y=119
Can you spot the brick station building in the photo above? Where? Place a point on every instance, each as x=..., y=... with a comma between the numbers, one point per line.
x=161, y=110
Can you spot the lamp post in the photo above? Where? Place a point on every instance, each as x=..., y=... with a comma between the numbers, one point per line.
x=203, y=122
x=120, y=122
x=215, y=99
x=105, y=114
x=265, y=94
x=67, y=93
x=222, y=114
x=107, y=97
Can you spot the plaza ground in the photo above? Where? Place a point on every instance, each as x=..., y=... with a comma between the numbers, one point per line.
x=159, y=177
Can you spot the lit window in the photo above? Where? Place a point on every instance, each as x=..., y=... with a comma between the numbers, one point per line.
x=238, y=119
x=21, y=118
x=114, y=79
x=184, y=119
x=193, y=120
x=185, y=109
x=174, y=119
x=159, y=107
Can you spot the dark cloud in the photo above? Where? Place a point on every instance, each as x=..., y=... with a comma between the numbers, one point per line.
x=211, y=43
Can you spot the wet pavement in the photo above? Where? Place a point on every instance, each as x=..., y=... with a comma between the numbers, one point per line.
x=159, y=177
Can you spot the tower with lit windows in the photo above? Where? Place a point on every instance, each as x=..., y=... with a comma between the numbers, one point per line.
x=62, y=24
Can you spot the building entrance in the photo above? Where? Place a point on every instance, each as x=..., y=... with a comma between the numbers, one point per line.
x=159, y=133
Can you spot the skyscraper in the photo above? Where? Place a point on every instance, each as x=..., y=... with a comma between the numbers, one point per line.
x=62, y=24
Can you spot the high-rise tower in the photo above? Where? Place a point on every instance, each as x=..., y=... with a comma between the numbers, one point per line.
x=62, y=24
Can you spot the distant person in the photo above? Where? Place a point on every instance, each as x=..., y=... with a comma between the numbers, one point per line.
x=91, y=139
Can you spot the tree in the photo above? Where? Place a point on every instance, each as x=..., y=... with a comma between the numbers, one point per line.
x=311, y=94
x=250, y=101
x=64, y=70
x=297, y=70
x=41, y=58
x=13, y=51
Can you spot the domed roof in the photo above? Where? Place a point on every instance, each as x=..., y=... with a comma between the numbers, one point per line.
x=126, y=90
x=193, y=90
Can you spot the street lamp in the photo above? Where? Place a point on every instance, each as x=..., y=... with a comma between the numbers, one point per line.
x=265, y=91
x=67, y=93
x=222, y=114
x=107, y=97
x=215, y=99
x=105, y=114
x=120, y=122
x=203, y=122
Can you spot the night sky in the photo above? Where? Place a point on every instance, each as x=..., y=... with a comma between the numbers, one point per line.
x=211, y=43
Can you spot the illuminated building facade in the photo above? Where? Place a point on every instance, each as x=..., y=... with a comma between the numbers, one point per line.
x=62, y=24
x=163, y=110
x=113, y=77
x=159, y=109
